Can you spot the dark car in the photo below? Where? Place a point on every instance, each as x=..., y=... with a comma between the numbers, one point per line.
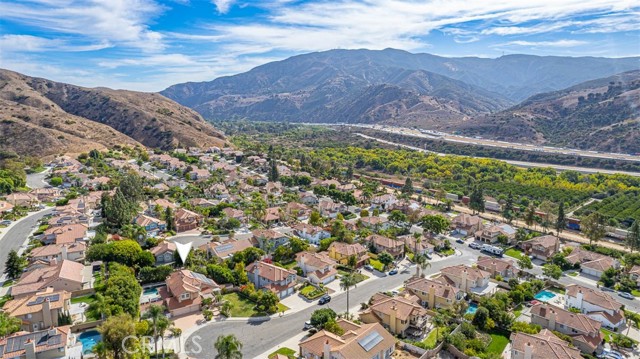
x=460, y=240
x=626, y=295
x=393, y=272
x=325, y=299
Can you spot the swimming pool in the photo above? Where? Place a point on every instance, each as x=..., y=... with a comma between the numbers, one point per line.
x=150, y=295
x=473, y=307
x=544, y=295
x=150, y=292
x=89, y=339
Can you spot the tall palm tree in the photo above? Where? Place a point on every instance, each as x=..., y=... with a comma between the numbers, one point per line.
x=155, y=313
x=163, y=325
x=99, y=305
x=346, y=282
x=422, y=263
x=438, y=321
x=228, y=347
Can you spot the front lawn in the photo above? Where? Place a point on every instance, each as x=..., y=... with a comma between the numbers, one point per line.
x=243, y=307
x=359, y=276
x=635, y=292
x=447, y=252
x=514, y=253
x=311, y=292
x=290, y=353
x=376, y=264
x=498, y=342
x=573, y=274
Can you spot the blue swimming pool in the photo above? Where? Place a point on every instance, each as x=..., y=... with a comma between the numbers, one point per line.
x=473, y=307
x=544, y=296
x=89, y=339
x=150, y=291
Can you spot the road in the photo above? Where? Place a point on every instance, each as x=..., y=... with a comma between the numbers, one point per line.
x=515, y=163
x=36, y=180
x=260, y=336
x=15, y=237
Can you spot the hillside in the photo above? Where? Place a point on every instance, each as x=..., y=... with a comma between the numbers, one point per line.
x=390, y=86
x=601, y=114
x=42, y=117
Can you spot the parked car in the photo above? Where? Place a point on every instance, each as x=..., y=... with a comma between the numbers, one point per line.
x=475, y=245
x=393, y=272
x=368, y=267
x=324, y=299
x=6, y=222
x=626, y=295
x=395, y=292
x=460, y=240
x=307, y=325
x=606, y=289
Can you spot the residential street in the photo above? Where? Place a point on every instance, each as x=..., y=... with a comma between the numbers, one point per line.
x=15, y=237
x=36, y=180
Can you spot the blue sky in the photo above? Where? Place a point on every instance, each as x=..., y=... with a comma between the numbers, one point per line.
x=147, y=45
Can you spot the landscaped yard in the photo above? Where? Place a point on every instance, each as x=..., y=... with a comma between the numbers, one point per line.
x=514, y=253
x=290, y=353
x=447, y=252
x=635, y=292
x=557, y=290
x=84, y=299
x=242, y=307
x=430, y=341
x=311, y=292
x=359, y=276
x=499, y=341
x=376, y=264
x=517, y=311
x=573, y=274
x=287, y=265
x=7, y=283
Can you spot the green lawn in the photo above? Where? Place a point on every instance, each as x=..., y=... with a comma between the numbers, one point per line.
x=514, y=253
x=287, y=265
x=448, y=252
x=284, y=351
x=635, y=292
x=498, y=343
x=359, y=276
x=242, y=307
x=7, y=283
x=430, y=341
x=557, y=290
x=311, y=292
x=573, y=274
x=376, y=264
x=607, y=334
x=84, y=299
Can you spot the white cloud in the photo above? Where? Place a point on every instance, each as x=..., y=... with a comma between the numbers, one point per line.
x=223, y=6
x=29, y=43
x=555, y=43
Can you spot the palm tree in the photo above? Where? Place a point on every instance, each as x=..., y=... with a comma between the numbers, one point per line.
x=155, y=313
x=99, y=305
x=438, y=321
x=163, y=325
x=228, y=347
x=346, y=282
x=422, y=263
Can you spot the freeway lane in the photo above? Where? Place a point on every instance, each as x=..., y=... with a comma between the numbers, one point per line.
x=18, y=234
x=260, y=336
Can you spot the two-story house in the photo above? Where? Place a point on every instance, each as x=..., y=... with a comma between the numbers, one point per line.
x=319, y=268
x=385, y=244
x=400, y=316
x=152, y=225
x=467, y=279
x=186, y=220
x=497, y=267
x=584, y=331
x=542, y=247
x=375, y=222
x=234, y=213
x=310, y=233
x=591, y=263
x=361, y=341
x=596, y=304
x=40, y=310
x=466, y=224
x=71, y=251
x=269, y=239
x=271, y=277
x=64, y=275
x=297, y=211
x=55, y=343
x=164, y=252
x=432, y=293
x=544, y=345
x=341, y=252
x=226, y=249
x=492, y=234
x=328, y=208
x=65, y=234
x=185, y=291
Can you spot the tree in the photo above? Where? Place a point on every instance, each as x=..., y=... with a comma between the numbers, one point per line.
x=346, y=282
x=476, y=200
x=435, y=224
x=333, y=327
x=407, y=189
x=422, y=263
x=8, y=325
x=168, y=218
x=55, y=181
x=385, y=258
x=525, y=262
x=608, y=277
x=228, y=347
x=397, y=217
x=154, y=313
x=593, y=227
x=508, y=211
x=530, y=215
x=268, y=302
x=364, y=213
x=116, y=332
x=14, y=265
x=552, y=271
x=481, y=318
x=561, y=221
x=320, y=317
x=438, y=321
x=315, y=218
x=633, y=237
x=273, y=172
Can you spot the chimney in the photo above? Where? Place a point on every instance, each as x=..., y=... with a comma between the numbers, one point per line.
x=580, y=297
x=64, y=253
x=47, y=315
x=30, y=349
x=432, y=296
x=552, y=318
x=393, y=315
x=463, y=285
x=326, y=350
x=528, y=351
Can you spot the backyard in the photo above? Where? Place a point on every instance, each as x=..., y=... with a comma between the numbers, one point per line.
x=499, y=341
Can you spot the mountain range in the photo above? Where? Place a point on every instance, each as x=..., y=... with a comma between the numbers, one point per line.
x=390, y=86
x=40, y=117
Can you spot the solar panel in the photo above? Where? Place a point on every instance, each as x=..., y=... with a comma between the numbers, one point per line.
x=40, y=300
x=224, y=248
x=202, y=278
x=371, y=340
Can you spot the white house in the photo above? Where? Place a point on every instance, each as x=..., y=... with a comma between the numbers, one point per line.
x=311, y=233
x=317, y=267
x=595, y=304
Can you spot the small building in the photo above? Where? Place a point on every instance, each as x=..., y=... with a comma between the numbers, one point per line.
x=271, y=277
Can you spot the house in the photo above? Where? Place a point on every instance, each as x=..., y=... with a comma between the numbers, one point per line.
x=46, y=194
x=72, y=251
x=272, y=215
x=432, y=293
x=591, y=263
x=467, y=279
x=328, y=208
x=497, y=267
x=308, y=198
x=233, y=213
x=491, y=234
x=584, y=331
x=341, y=252
x=271, y=277
x=310, y=233
x=375, y=222
x=40, y=310
x=185, y=291
x=319, y=268
x=385, y=244
x=64, y=275
x=361, y=341
x=274, y=188
x=65, y=234
x=297, y=211
x=55, y=343
x=201, y=202
x=466, y=224
x=384, y=201
x=199, y=174
x=150, y=224
x=544, y=345
x=164, y=252
x=5, y=207
x=22, y=199
x=596, y=304
x=543, y=247
x=186, y=220
x=417, y=245
x=269, y=239
x=226, y=249
x=400, y=316
x=634, y=274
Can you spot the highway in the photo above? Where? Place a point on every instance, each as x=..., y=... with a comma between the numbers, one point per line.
x=515, y=163
x=17, y=235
